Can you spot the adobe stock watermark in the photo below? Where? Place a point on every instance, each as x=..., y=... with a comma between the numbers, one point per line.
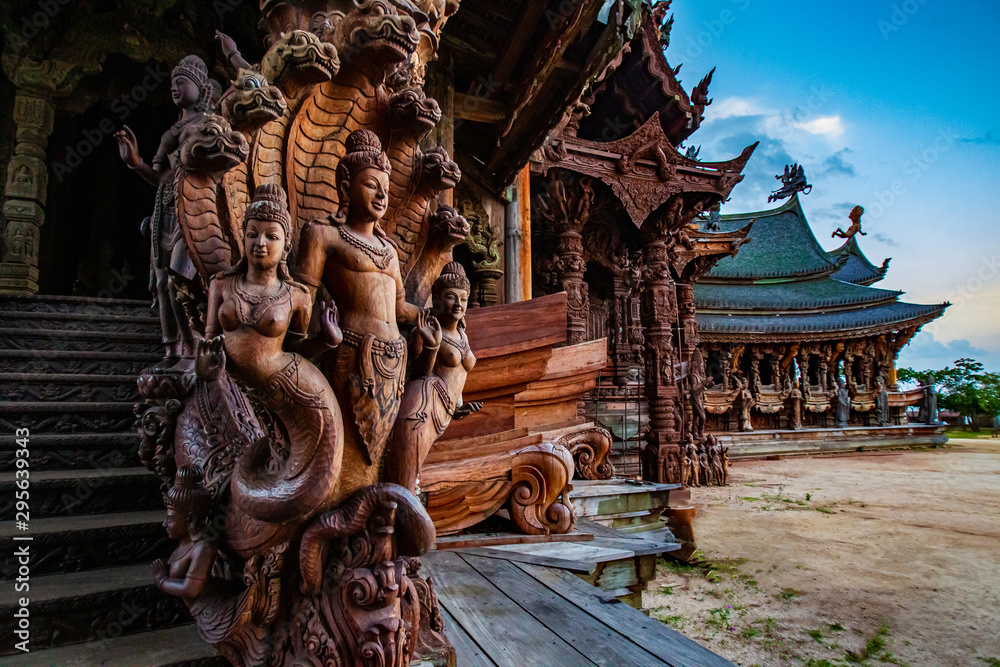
x=122, y=108
x=914, y=167
x=898, y=17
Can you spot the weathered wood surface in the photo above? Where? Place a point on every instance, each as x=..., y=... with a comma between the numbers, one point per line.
x=469, y=540
x=501, y=613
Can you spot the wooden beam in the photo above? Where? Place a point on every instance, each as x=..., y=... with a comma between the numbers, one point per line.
x=478, y=109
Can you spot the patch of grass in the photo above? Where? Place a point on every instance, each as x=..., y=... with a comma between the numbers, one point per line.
x=824, y=510
x=813, y=662
x=667, y=590
x=749, y=498
x=992, y=662
x=788, y=593
x=720, y=618
x=677, y=621
x=816, y=635
x=837, y=627
x=875, y=646
x=750, y=632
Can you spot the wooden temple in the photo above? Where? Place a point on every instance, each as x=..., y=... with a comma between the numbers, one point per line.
x=557, y=133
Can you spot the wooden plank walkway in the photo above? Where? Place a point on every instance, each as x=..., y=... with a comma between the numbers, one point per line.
x=501, y=613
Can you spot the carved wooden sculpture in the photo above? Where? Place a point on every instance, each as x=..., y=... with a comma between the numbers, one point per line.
x=590, y=449
x=292, y=462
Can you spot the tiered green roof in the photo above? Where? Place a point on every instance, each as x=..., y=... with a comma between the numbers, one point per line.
x=783, y=285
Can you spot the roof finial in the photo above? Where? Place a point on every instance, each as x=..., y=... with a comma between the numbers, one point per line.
x=792, y=181
x=855, y=228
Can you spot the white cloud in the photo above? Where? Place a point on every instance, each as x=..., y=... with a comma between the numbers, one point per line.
x=828, y=126
x=734, y=107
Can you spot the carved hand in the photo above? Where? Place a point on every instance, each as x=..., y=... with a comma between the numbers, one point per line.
x=429, y=329
x=128, y=147
x=466, y=409
x=228, y=45
x=160, y=571
x=211, y=359
x=329, y=325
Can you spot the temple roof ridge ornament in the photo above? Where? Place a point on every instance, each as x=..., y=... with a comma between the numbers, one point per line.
x=793, y=180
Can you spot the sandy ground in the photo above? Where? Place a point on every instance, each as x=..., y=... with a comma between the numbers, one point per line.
x=880, y=558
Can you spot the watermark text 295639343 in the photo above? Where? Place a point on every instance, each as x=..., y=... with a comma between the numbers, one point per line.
x=22, y=542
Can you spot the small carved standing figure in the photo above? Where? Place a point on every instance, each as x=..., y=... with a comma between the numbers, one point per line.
x=793, y=395
x=192, y=91
x=747, y=402
x=843, y=403
x=707, y=476
x=855, y=228
x=693, y=464
x=929, y=407
x=716, y=460
x=434, y=397
x=881, y=401
x=697, y=384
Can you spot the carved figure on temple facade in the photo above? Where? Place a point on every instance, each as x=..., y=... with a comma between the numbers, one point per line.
x=707, y=472
x=187, y=573
x=349, y=255
x=843, y=402
x=746, y=401
x=442, y=358
x=792, y=394
x=855, y=228
x=693, y=464
x=792, y=181
x=697, y=384
x=716, y=460
x=881, y=401
x=192, y=92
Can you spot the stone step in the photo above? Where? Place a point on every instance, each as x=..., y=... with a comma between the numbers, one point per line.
x=75, y=451
x=55, y=493
x=82, y=320
x=77, y=543
x=76, y=362
x=43, y=340
x=92, y=606
x=60, y=387
x=172, y=647
x=46, y=303
x=70, y=417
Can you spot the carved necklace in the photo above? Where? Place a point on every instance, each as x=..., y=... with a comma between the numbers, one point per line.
x=258, y=303
x=462, y=344
x=379, y=256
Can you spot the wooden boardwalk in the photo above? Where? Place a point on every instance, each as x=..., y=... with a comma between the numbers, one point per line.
x=515, y=614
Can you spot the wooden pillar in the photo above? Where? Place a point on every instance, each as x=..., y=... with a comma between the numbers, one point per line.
x=25, y=192
x=524, y=221
x=658, y=311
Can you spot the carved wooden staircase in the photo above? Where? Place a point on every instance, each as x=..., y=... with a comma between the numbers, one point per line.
x=67, y=372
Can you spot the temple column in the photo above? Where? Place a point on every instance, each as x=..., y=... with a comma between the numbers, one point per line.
x=619, y=325
x=567, y=209
x=26, y=189
x=658, y=312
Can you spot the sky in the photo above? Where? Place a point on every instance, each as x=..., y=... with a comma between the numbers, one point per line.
x=891, y=105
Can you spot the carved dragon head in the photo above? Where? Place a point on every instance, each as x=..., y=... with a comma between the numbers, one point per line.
x=300, y=57
x=251, y=102
x=212, y=145
x=449, y=224
x=376, y=30
x=413, y=111
x=438, y=171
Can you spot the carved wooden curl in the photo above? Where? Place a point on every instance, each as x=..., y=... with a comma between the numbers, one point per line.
x=539, y=502
x=590, y=450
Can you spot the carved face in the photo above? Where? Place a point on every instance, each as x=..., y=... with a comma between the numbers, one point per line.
x=451, y=304
x=447, y=221
x=184, y=92
x=301, y=57
x=251, y=103
x=264, y=243
x=413, y=110
x=369, y=195
x=439, y=170
x=212, y=145
x=176, y=525
x=376, y=28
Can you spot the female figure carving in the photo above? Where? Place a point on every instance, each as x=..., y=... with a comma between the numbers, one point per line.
x=192, y=92
x=292, y=475
x=442, y=360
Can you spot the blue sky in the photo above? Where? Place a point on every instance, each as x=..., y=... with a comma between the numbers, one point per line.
x=891, y=105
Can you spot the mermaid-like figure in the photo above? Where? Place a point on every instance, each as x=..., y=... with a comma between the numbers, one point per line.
x=442, y=360
x=275, y=485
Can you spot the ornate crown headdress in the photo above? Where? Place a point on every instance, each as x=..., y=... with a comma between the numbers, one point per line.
x=363, y=150
x=452, y=277
x=271, y=204
x=189, y=493
x=194, y=69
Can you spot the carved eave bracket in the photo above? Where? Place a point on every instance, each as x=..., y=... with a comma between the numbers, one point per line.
x=644, y=170
x=702, y=250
